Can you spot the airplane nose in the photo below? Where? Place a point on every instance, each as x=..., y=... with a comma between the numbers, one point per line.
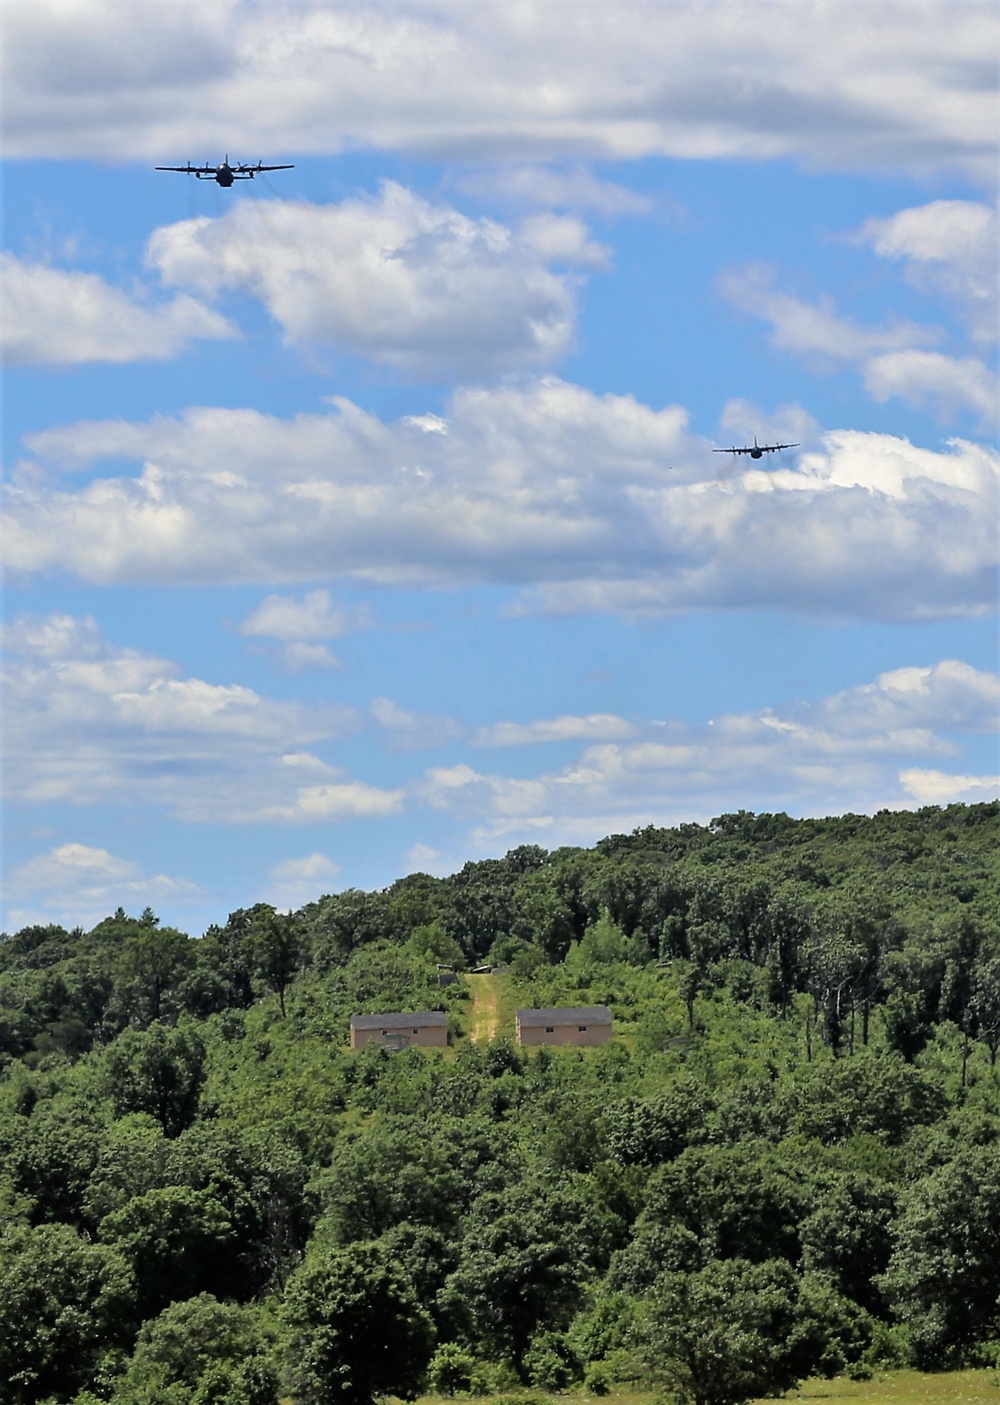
x=755, y=453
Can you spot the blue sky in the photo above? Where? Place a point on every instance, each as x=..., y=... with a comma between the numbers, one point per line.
x=366, y=519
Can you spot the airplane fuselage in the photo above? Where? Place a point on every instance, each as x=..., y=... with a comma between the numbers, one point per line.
x=756, y=453
x=224, y=175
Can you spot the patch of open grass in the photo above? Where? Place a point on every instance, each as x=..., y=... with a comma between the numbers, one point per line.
x=895, y=1388
x=493, y=1007
x=908, y=1388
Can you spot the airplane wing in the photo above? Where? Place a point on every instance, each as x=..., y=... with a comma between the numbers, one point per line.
x=758, y=448
x=188, y=170
x=250, y=170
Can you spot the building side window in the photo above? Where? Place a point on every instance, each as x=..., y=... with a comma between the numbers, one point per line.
x=581, y=1029
x=416, y=1031
x=550, y=1029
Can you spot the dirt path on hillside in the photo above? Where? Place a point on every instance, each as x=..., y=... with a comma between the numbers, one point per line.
x=484, y=1017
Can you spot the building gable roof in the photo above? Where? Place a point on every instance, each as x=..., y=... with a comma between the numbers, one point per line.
x=421, y=1019
x=588, y=1014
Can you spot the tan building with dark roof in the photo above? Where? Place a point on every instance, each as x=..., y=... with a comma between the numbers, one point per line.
x=427, y=1029
x=584, y=1026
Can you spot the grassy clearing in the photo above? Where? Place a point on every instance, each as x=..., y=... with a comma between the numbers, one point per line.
x=493, y=1006
x=909, y=1388
x=897, y=1388
x=484, y=1017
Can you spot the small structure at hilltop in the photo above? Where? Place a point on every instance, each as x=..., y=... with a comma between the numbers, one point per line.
x=584, y=1026
x=426, y=1028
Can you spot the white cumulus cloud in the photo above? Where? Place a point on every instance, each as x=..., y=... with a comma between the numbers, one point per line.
x=334, y=800
x=902, y=84
x=393, y=277
x=858, y=749
x=78, y=883
x=90, y=723
x=584, y=501
x=314, y=616
x=294, y=882
x=413, y=731
x=939, y=788
x=422, y=858
x=945, y=383
x=64, y=317
x=813, y=329
x=893, y=360
x=949, y=695
x=950, y=248
x=300, y=623
x=299, y=654
x=597, y=726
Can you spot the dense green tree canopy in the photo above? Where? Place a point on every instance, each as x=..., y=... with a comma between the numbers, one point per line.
x=725, y=1334
x=355, y=1329
x=64, y=1304
x=158, y=1070
x=784, y=1162
x=944, y=1275
x=200, y=1352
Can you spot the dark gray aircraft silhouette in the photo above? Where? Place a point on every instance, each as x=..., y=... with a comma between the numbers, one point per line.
x=755, y=450
x=224, y=174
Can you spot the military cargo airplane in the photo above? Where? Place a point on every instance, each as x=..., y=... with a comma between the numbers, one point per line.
x=755, y=450
x=224, y=174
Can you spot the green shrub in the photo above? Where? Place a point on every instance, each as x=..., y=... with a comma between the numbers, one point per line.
x=597, y=1379
x=451, y=1370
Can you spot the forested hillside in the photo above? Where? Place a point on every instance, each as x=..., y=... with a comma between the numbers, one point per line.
x=786, y=1162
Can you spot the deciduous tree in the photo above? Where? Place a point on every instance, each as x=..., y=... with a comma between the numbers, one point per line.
x=355, y=1329
x=63, y=1303
x=943, y=1280
x=274, y=943
x=177, y=1241
x=158, y=1070
x=203, y=1352
x=724, y=1335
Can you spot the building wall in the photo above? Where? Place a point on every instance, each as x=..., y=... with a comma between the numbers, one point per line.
x=431, y=1037
x=589, y=1038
